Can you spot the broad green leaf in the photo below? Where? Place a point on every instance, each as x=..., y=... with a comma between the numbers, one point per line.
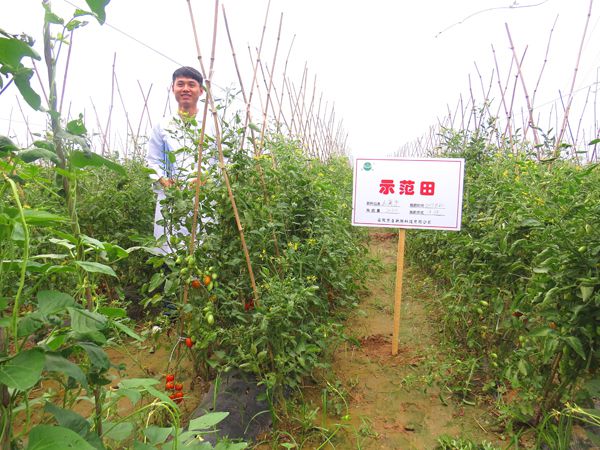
x=63, y=242
x=128, y=331
x=29, y=324
x=78, y=141
x=83, y=321
x=12, y=50
x=137, y=445
x=92, y=242
x=18, y=232
x=81, y=159
x=117, y=431
x=157, y=435
x=77, y=127
x=98, y=8
x=50, y=256
x=57, y=363
x=54, y=341
x=30, y=96
x=46, y=145
x=50, y=17
x=576, y=345
x=48, y=437
x=586, y=292
x=52, y=302
x=230, y=446
x=207, y=421
x=540, y=331
x=7, y=146
x=135, y=383
x=155, y=281
x=116, y=251
x=112, y=313
x=41, y=218
x=97, y=356
x=24, y=370
x=94, y=267
x=33, y=154
x=68, y=419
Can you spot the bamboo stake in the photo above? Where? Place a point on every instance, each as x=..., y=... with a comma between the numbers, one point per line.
x=25, y=120
x=262, y=131
x=507, y=112
x=254, y=76
x=280, y=104
x=110, y=108
x=219, y=146
x=570, y=101
x=283, y=82
x=144, y=109
x=531, y=123
x=237, y=69
x=257, y=86
x=514, y=92
x=129, y=127
x=545, y=61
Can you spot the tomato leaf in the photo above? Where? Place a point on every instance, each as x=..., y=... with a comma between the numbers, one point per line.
x=576, y=345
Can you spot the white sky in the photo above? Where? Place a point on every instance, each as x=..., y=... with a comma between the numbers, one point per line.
x=378, y=61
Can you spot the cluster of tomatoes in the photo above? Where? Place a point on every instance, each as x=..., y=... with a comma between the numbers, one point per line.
x=208, y=280
x=175, y=388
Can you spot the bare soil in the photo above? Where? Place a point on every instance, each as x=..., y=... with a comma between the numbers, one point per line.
x=394, y=401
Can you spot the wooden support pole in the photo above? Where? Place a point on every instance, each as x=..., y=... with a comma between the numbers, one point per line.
x=398, y=290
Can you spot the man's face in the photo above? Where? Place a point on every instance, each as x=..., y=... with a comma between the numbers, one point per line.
x=187, y=91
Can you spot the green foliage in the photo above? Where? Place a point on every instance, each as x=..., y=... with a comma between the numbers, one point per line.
x=450, y=443
x=522, y=274
x=307, y=260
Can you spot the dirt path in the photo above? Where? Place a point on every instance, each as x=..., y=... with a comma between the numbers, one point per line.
x=393, y=401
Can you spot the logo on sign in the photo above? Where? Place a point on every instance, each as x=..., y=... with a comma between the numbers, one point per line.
x=367, y=166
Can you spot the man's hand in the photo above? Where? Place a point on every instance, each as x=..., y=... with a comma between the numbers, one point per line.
x=166, y=182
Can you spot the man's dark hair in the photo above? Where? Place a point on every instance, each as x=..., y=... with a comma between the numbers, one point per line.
x=188, y=72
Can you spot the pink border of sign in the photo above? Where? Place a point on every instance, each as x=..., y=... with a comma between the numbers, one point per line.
x=458, y=196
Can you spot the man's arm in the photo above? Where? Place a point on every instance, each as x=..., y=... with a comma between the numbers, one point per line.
x=155, y=157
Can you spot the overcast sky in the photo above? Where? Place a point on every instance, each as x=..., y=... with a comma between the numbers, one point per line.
x=390, y=67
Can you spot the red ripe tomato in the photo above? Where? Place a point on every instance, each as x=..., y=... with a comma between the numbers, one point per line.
x=170, y=386
x=170, y=377
x=189, y=342
x=178, y=397
x=196, y=283
x=178, y=386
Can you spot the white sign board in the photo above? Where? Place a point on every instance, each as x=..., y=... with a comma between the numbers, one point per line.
x=408, y=193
